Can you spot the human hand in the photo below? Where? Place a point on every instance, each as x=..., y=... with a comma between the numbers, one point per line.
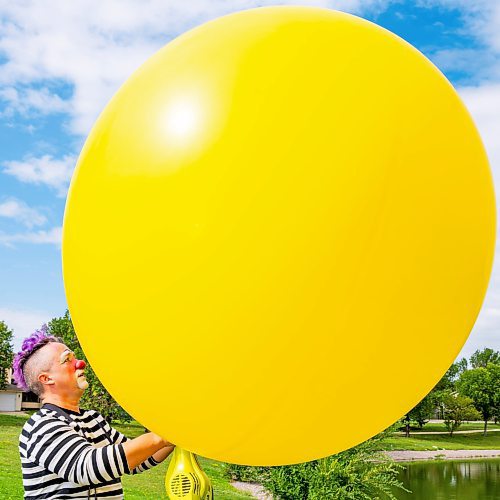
x=164, y=442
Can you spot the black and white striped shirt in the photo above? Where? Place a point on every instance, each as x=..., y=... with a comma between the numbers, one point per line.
x=73, y=455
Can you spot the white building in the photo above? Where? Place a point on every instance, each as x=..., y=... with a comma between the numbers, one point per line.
x=12, y=398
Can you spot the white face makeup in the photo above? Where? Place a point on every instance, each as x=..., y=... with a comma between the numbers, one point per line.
x=68, y=356
x=81, y=381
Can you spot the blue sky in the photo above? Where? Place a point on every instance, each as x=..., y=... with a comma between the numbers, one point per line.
x=60, y=62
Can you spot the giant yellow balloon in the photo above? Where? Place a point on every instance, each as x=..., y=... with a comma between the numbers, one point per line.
x=281, y=223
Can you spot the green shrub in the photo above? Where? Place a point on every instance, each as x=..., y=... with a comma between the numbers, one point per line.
x=245, y=473
x=361, y=473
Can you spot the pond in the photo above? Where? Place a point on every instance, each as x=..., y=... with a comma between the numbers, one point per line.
x=452, y=480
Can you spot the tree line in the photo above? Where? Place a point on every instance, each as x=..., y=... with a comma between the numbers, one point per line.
x=469, y=390
x=95, y=397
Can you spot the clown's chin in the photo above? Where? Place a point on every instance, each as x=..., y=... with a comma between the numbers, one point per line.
x=82, y=383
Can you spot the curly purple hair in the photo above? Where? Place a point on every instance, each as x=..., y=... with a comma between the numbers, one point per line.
x=30, y=345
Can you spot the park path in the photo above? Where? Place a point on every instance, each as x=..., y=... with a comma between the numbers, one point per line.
x=425, y=433
x=255, y=489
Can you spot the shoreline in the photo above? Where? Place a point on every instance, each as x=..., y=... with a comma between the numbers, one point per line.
x=411, y=455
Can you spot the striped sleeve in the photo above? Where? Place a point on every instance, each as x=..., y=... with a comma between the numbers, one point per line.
x=117, y=437
x=146, y=465
x=57, y=447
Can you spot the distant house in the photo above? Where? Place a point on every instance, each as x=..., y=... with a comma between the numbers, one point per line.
x=12, y=398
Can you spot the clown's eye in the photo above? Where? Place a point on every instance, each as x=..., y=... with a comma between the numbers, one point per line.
x=68, y=357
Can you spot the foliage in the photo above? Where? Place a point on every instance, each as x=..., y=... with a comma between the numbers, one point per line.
x=458, y=408
x=421, y=413
x=448, y=380
x=447, y=384
x=482, y=385
x=363, y=472
x=96, y=396
x=6, y=353
x=480, y=359
x=245, y=473
x=462, y=365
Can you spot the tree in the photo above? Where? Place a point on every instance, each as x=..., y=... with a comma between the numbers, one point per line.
x=6, y=353
x=482, y=385
x=457, y=408
x=421, y=413
x=447, y=384
x=96, y=396
x=480, y=359
x=462, y=366
x=448, y=380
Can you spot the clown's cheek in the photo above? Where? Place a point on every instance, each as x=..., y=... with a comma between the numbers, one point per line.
x=82, y=383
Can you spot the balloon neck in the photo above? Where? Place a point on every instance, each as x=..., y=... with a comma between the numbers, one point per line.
x=182, y=456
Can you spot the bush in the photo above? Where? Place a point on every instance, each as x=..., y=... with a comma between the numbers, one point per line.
x=245, y=473
x=361, y=473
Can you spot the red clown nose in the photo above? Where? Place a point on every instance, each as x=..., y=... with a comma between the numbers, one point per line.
x=80, y=364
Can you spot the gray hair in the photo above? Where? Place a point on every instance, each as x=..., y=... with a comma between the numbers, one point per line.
x=37, y=363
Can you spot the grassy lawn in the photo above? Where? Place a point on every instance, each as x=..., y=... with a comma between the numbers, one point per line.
x=147, y=485
x=474, y=426
x=443, y=442
x=151, y=483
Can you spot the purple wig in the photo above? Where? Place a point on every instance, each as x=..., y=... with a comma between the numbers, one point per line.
x=30, y=345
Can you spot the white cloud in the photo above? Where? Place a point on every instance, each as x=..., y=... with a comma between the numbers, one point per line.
x=481, y=18
x=55, y=173
x=26, y=100
x=22, y=322
x=477, y=63
x=18, y=210
x=483, y=103
x=52, y=236
x=486, y=331
x=93, y=46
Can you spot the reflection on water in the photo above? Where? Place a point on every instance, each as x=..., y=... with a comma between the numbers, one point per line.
x=452, y=480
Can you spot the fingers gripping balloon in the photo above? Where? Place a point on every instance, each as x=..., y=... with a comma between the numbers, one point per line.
x=261, y=217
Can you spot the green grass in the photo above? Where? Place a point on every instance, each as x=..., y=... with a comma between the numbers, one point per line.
x=10, y=466
x=150, y=484
x=474, y=426
x=443, y=442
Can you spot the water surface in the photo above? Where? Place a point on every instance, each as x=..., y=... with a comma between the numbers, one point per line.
x=452, y=480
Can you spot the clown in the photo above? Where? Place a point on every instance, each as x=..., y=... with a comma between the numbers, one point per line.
x=67, y=451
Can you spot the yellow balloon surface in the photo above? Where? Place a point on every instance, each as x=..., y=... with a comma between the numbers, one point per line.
x=283, y=220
